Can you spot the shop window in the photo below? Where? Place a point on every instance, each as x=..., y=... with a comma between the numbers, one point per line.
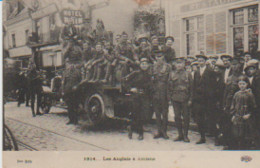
x=194, y=35
x=13, y=41
x=245, y=29
x=26, y=35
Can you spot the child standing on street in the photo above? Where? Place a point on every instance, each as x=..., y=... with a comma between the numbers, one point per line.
x=243, y=105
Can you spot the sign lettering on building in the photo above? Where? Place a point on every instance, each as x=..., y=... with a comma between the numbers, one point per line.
x=44, y=12
x=205, y=4
x=75, y=17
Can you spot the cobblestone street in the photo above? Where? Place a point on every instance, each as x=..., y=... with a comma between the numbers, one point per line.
x=49, y=132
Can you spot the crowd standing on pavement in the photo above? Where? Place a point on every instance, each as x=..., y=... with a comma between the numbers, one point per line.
x=220, y=93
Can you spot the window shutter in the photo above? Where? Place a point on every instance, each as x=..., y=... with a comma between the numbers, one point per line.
x=209, y=34
x=221, y=37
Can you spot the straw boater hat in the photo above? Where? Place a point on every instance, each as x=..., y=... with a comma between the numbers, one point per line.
x=252, y=63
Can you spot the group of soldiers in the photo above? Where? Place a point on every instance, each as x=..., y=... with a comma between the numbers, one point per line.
x=200, y=87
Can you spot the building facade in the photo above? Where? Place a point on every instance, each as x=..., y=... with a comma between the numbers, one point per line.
x=213, y=27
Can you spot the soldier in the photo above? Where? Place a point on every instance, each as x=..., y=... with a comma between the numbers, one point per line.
x=161, y=71
x=93, y=65
x=203, y=95
x=155, y=46
x=109, y=63
x=125, y=54
x=180, y=91
x=138, y=83
x=168, y=50
x=71, y=78
x=143, y=50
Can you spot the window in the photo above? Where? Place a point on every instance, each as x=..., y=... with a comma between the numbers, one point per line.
x=194, y=35
x=245, y=29
x=13, y=41
x=26, y=35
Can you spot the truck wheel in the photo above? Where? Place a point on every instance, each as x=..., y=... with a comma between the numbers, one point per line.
x=46, y=104
x=95, y=108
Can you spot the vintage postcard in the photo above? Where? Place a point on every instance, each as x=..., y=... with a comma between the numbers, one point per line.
x=131, y=83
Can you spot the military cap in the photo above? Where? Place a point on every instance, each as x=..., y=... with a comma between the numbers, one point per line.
x=213, y=57
x=143, y=39
x=169, y=38
x=191, y=57
x=202, y=56
x=144, y=60
x=195, y=63
x=226, y=56
x=99, y=43
x=247, y=53
x=154, y=37
x=118, y=36
x=124, y=33
x=252, y=63
x=180, y=59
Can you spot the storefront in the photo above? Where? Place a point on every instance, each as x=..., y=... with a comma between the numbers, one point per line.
x=213, y=27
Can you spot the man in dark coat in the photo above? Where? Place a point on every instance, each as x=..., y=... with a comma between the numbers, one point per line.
x=229, y=77
x=161, y=71
x=35, y=87
x=253, y=74
x=203, y=95
x=21, y=88
x=124, y=52
x=180, y=91
x=138, y=83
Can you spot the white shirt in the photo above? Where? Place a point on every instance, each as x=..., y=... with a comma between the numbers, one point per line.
x=251, y=80
x=227, y=71
x=202, y=69
x=244, y=67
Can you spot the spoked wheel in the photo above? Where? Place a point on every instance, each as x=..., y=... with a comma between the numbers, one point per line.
x=10, y=143
x=46, y=104
x=95, y=109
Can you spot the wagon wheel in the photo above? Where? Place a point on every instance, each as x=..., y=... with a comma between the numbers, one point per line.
x=10, y=143
x=46, y=104
x=95, y=108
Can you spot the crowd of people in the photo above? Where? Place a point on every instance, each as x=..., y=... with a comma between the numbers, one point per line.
x=221, y=93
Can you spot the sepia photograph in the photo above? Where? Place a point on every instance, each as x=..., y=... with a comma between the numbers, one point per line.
x=131, y=75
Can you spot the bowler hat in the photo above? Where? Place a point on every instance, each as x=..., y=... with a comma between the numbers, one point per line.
x=252, y=63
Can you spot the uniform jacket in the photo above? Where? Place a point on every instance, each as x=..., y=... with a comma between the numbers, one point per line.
x=161, y=75
x=73, y=54
x=180, y=86
x=124, y=51
x=169, y=54
x=139, y=79
x=71, y=77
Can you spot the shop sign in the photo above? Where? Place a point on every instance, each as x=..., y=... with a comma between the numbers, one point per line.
x=205, y=4
x=75, y=17
x=48, y=10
